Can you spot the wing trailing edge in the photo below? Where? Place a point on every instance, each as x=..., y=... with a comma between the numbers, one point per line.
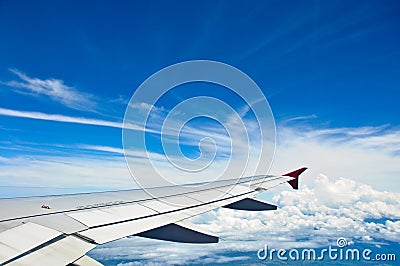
x=86, y=261
x=32, y=235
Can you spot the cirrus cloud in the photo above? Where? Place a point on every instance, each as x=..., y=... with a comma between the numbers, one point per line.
x=54, y=89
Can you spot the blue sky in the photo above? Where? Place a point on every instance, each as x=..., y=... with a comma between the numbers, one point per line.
x=336, y=61
x=322, y=65
x=329, y=69
x=334, y=57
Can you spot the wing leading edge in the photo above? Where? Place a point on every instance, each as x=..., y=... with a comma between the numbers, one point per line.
x=60, y=230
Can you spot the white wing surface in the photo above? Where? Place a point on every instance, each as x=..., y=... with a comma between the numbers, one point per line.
x=61, y=229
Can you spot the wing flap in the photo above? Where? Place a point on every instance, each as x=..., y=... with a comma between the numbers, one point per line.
x=104, y=234
x=60, y=222
x=62, y=252
x=32, y=235
x=111, y=215
x=63, y=233
x=111, y=232
x=86, y=261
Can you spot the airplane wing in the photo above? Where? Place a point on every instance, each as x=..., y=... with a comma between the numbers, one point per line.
x=61, y=229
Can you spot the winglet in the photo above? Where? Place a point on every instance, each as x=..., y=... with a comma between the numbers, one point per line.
x=295, y=182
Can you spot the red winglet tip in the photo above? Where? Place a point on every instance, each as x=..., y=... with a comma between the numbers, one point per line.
x=295, y=182
x=296, y=173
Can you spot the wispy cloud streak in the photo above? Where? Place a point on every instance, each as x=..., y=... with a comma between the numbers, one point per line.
x=67, y=119
x=55, y=89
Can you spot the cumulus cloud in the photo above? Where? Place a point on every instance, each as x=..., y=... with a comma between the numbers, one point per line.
x=338, y=152
x=312, y=217
x=309, y=218
x=54, y=89
x=349, y=154
x=349, y=201
x=366, y=154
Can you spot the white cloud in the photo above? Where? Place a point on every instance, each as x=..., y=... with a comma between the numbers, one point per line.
x=321, y=211
x=121, y=99
x=366, y=154
x=146, y=107
x=76, y=173
x=55, y=89
x=298, y=118
x=311, y=217
x=368, y=158
x=191, y=137
x=67, y=119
